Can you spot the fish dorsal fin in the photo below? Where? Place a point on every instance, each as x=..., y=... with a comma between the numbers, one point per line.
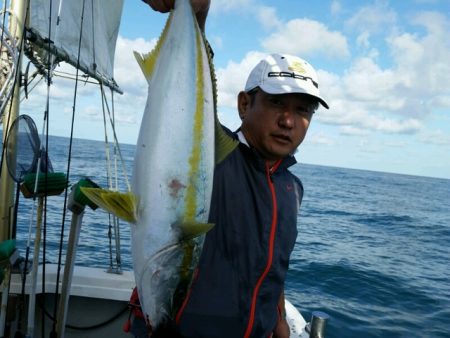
x=193, y=229
x=122, y=205
x=224, y=143
x=147, y=61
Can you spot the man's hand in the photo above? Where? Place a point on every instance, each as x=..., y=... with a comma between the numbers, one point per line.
x=200, y=8
x=282, y=330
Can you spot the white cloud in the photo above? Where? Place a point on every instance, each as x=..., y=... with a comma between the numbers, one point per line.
x=335, y=7
x=352, y=114
x=363, y=40
x=374, y=18
x=229, y=118
x=366, y=81
x=268, y=17
x=306, y=37
x=297, y=36
x=408, y=126
x=422, y=61
x=216, y=42
x=366, y=146
x=353, y=131
x=126, y=71
x=218, y=6
x=319, y=138
x=232, y=78
x=130, y=106
x=396, y=97
x=437, y=137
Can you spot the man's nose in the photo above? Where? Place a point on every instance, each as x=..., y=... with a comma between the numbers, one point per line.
x=286, y=118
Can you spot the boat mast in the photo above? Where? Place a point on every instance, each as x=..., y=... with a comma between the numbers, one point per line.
x=16, y=27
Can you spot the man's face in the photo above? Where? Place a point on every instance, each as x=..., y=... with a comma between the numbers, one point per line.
x=274, y=124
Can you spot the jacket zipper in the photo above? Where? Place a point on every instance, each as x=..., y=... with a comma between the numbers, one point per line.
x=273, y=227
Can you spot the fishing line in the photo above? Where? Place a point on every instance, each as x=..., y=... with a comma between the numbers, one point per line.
x=45, y=131
x=108, y=173
x=116, y=176
x=116, y=141
x=111, y=186
x=58, y=273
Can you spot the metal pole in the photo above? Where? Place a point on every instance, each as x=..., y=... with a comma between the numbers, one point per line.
x=34, y=273
x=18, y=8
x=75, y=228
x=318, y=324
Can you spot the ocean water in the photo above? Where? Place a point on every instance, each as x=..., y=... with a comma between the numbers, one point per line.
x=373, y=249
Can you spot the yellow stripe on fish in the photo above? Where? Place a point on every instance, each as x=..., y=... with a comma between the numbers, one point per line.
x=197, y=132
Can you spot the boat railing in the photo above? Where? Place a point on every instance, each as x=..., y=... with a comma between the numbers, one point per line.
x=316, y=328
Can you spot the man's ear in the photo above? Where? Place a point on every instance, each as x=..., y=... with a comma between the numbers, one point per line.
x=243, y=104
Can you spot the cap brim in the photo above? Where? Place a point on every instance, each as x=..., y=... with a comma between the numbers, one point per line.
x=278, y=91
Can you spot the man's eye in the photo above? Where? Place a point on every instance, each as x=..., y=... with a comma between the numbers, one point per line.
x=304, y=113
x=302, y=110
x=275, y=101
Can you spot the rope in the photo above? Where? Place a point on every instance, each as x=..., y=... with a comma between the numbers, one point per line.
x=112, y=187
x=124, y=170
x=116, y=220
x=45, y=131
x=108, y=173
x=88, y=327
x=53, y=333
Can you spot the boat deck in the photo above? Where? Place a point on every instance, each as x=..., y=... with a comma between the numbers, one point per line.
x=86, y=282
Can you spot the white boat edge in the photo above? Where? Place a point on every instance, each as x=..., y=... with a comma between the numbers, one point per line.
x=295, y=320
x=87, y=282
x=94, y=290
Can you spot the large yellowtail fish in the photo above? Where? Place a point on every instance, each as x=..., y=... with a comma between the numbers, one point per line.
x=180, y=140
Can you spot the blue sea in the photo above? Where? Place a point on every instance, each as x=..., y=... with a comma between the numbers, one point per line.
x=373, y=249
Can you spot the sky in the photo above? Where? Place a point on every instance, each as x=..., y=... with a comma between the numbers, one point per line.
x=383, y=67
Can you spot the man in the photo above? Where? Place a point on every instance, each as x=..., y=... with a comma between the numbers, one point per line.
x=238, y=290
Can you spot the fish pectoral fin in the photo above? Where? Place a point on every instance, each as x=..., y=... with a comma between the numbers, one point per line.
x=122, y=205
x=191, y=230
x=224, y=143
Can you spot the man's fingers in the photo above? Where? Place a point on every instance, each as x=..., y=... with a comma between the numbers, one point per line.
x=162, y=6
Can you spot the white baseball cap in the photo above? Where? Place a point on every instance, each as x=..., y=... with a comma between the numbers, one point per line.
x=285, y=74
